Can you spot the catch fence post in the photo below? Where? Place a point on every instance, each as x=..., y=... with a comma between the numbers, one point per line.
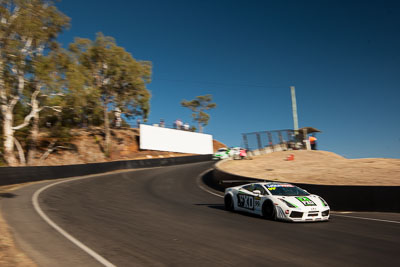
x=259, y=142
x=270, y=141
x=281, y=140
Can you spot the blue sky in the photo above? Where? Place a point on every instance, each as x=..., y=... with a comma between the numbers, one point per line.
x=343, y=57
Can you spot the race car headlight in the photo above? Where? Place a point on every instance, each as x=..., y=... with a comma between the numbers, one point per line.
x=290, y=205
x=323, y=202
x=325, y=213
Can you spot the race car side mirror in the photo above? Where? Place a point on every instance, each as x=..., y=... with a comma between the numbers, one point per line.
x=257, y=192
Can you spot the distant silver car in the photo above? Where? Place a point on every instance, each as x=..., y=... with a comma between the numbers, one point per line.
x=274, y=200
x=235, y=152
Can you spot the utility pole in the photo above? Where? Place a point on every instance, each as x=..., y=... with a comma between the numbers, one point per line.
x=294, y=109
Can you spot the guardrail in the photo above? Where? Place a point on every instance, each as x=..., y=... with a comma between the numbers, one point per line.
x=16, y=175
x=339, y=197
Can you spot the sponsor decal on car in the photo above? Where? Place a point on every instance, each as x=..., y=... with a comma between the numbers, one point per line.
x=306, y=201
x=278, y=185
x=245, y=201
x=323, y=202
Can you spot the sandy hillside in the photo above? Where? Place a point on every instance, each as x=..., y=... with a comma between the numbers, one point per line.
x=318, y=167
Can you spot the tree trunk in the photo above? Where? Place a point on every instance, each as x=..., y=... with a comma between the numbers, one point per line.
x=107, y=130
x=20, y=152
x=35, y=129
x=50, y=149
x=8, y=134
x=34, y=140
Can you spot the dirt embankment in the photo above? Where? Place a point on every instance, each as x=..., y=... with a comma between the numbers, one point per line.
x=318, y=167
x=87, y=146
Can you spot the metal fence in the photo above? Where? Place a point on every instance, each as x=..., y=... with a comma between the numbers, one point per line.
x=269, y=141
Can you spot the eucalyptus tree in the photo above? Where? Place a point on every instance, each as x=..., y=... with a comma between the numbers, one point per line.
x=27, y=29
x=82, y=102
x=48, y=79
x=119, y=79
x=198, y=106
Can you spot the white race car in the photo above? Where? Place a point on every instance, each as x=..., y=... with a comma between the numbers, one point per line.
x=222, y=153
x=275, y=200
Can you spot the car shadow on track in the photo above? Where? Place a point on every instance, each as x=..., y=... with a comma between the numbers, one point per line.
x=222, y=207
x=242, y=213
x=7, y=195
x=213, y=206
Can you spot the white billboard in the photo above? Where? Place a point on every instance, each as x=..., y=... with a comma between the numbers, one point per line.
x=165, y=139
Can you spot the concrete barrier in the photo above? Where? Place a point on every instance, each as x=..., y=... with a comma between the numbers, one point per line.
x=16, y=175
x=268, y=149
x=339, y=197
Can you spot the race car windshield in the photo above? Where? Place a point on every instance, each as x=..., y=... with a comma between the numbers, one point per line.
x=286, y=190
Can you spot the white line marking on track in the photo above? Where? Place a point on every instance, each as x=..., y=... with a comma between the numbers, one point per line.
x=89, y=251
x=354, y=217
x=364, y=218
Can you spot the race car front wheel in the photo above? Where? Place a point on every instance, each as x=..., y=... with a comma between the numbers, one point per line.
x=268, y=210
x=228, y=201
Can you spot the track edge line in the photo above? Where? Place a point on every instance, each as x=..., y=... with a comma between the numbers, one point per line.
x=64, y=233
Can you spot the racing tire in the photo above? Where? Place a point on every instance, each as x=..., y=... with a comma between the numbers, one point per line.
x=228, y=202
x=268, y=211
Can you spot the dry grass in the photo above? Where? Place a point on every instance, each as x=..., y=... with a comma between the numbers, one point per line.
x=318, y=167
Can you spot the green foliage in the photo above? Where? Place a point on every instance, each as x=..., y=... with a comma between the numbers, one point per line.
x=198, y=106
x=61, y=133
x=82, y=99
x=116, y=78
x=71, y=87
x=114, y=75
x=28, y=30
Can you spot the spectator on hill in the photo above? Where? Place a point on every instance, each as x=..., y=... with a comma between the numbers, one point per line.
x=178, y=124
x=243, y=153
x=313, y=142
x=138, y=123
x=162, y=123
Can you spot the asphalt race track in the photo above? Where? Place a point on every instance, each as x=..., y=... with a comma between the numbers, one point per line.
x=161, y=216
